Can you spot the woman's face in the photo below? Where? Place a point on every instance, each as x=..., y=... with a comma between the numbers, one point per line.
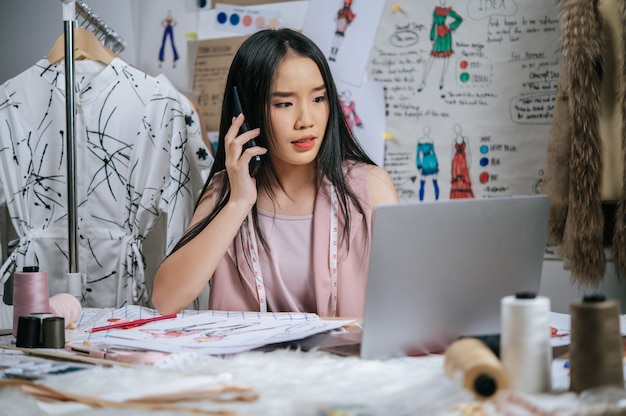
x=299, y=112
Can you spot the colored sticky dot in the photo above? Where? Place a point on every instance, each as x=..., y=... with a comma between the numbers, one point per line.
x=463, y=64
x=387, y=136
x=484, y=177
x=484, y=161
x=222, y=18
x=234, y=19
x=484, y=149
x=273, y=23
x=247, y=20
x=260, y=22
x=464, y=77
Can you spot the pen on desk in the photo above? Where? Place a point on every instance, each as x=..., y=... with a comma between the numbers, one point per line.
x=131, y=324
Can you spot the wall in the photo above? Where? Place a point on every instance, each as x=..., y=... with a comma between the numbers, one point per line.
x=556, y=283
x=28, y=29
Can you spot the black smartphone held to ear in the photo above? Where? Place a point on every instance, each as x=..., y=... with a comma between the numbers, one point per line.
x=255, y=162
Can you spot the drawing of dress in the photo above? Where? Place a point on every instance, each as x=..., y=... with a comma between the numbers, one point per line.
x=441, y=34
x=461, y=185
x=427, y=158
x=345, y=16
x=427, y=163
x=349, y=110
x=441, y=38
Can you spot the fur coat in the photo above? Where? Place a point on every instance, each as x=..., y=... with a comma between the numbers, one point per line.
x=572, y=175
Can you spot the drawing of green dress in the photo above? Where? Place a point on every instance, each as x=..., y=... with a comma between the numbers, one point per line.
x=441, y=34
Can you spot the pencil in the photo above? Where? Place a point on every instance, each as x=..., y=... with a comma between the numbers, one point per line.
x=131, y=324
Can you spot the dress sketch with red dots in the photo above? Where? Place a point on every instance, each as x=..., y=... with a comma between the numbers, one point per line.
x=441, y=38
x=460, y=182
x=345, y=16
x=168, y=34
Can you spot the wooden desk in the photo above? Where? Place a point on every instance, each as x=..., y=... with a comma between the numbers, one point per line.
x=281, y=382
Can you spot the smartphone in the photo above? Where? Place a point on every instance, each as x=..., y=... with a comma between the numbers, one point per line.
x=255, y=162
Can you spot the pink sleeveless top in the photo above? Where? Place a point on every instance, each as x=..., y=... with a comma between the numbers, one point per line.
x=287, y=267
x=233, y=288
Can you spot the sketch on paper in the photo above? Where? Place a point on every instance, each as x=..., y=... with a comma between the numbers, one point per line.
x=445, y=21
x=461, y=184
x=342, y=29
x=344, y=17
x=210, y=332
x=168, y=35
x=490, y=66
x=427, y=163
x=349, y=109
x=365, y=102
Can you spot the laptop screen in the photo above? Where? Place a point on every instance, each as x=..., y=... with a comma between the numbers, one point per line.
x=438, y=270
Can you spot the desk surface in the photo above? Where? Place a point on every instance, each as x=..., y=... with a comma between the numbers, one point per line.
x=284, y=382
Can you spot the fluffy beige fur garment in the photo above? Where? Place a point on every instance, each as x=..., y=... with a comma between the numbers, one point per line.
x=573, y=172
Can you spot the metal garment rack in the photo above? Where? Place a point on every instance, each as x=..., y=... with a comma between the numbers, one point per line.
x=87, y=19
x=72, y=10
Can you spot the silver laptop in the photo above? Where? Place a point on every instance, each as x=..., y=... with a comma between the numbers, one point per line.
x=438, y=270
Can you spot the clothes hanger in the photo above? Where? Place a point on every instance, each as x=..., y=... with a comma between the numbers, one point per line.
x=86, y=46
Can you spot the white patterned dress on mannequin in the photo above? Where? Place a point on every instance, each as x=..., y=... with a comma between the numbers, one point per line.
x=139, y=157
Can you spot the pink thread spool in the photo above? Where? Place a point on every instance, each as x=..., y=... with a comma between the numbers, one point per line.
x=66, y=306
x=30, y=294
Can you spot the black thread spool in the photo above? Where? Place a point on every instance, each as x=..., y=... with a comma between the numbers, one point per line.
x=28, y=332
x=596, y=344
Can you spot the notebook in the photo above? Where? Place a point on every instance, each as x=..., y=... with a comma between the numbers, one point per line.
x=438, y=271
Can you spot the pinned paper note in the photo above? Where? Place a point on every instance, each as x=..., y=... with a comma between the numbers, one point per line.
x=245, y=20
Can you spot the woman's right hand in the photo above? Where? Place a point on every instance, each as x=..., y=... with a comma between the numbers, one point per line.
x=242, y=185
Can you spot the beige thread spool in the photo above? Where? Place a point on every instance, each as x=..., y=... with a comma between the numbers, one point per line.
x=472, y=361
x=596, y=352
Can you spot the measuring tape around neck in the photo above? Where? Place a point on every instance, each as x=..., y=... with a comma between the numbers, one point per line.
x=253, y=249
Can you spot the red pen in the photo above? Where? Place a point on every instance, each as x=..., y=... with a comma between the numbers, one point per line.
x=132, y=324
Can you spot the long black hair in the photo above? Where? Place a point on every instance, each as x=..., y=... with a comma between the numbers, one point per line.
x=253, y=71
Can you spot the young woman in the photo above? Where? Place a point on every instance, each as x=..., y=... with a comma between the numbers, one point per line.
x=295, y=237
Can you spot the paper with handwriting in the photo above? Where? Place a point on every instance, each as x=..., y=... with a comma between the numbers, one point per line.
x=210, y=332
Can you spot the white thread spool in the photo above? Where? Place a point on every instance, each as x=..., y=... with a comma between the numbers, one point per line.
x=75, y=285
x=525, y=348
